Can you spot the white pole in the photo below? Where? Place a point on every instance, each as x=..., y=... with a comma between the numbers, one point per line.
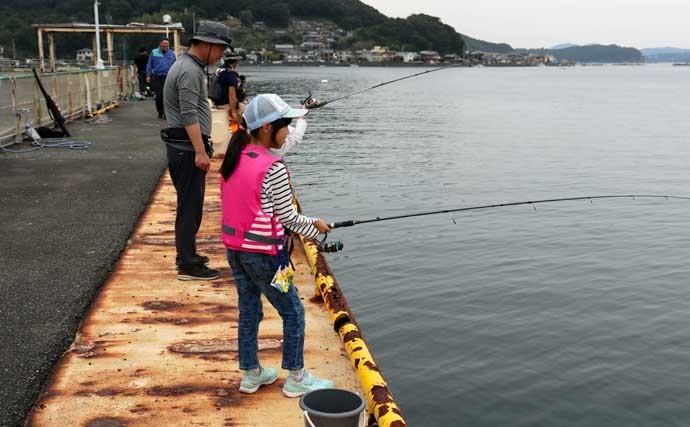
x=167, y=19
x=99, y=61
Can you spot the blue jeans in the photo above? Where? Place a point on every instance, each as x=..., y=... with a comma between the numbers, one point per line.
x=253, y=273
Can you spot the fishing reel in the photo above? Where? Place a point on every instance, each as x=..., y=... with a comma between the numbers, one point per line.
x=311, y=103
x=330, y=247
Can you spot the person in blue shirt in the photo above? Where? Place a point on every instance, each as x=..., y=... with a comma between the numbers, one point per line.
x=159, y=64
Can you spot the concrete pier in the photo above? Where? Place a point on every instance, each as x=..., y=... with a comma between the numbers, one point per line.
x=88, y=289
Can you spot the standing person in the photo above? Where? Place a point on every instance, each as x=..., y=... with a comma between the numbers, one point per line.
x=232, y=94
x=187, y=139
x=257, y=207
x=160, y=61
x=141, y=61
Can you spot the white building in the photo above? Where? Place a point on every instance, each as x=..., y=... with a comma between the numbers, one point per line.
x=85, y=55
x=410, y=56
x=284, y=47
x=344, y=56
x=312, y=46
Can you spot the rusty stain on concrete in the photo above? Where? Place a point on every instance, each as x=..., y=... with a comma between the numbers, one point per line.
x=154, y=351
x=219, y=346
x=106, y=422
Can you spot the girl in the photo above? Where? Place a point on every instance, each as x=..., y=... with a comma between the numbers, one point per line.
x=257, y=206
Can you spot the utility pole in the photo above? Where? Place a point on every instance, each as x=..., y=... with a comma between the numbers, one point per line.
x=99, y=61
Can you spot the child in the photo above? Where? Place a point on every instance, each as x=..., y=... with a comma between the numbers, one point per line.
x=257, y=206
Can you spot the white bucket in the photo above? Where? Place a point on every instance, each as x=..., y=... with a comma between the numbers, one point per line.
x=220, y=131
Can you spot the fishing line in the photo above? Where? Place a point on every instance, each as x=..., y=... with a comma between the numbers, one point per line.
x=311, y=103
x=350, y=223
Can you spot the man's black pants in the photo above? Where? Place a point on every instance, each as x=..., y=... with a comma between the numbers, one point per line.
x=141, y=75
x=157, y=83
x=190, y=184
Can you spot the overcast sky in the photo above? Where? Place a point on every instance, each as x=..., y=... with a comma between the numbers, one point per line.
x=544, y=23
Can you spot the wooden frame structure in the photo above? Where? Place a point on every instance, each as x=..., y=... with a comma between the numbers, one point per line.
x=50, y=30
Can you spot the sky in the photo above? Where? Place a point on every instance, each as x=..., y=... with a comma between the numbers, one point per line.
x=544, y=23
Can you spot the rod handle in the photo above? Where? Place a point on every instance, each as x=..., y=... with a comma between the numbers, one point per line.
x=342, y=224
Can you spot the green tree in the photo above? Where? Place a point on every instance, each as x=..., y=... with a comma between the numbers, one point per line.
x=442, y=37
x=278, y=15
x=247, y=18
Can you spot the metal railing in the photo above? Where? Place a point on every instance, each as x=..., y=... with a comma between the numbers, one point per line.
x=78, y=93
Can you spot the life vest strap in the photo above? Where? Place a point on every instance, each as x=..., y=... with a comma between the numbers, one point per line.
x=253, y=237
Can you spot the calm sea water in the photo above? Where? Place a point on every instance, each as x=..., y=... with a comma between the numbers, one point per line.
x=573, y=314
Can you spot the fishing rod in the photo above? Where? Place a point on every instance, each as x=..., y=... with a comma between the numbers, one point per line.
x=350, y=223
x=311, y=103
x=53, y=109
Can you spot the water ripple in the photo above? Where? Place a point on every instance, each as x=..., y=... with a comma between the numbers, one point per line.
x=572, y=314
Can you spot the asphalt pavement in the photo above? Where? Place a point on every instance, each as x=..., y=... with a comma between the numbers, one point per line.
x=65, y=217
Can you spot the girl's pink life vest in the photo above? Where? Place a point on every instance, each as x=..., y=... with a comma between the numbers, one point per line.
x=245, y=226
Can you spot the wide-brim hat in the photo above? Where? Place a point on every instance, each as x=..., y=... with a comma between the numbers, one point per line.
x=212, y=32
x=229, y=55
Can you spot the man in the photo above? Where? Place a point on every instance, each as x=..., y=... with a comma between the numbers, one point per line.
x=187, y=139
x=157, y=69
x=231, y=84
x=140, y=62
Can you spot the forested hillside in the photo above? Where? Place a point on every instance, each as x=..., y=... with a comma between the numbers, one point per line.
x=367, y=25
x=472, y=44
x=594, y=53
x=416, y=33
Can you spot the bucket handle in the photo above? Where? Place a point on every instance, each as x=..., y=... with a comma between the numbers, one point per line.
x=306, y=416
x=361, y=415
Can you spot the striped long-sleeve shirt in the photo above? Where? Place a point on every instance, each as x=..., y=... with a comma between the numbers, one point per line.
x=276, y=197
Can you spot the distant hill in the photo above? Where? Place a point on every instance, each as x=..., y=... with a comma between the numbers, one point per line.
x=472, y=44
x=666, y=54
x=562, y=46
x=417, y=32
x=600, y=53
x=414, y=33
x=594, y=53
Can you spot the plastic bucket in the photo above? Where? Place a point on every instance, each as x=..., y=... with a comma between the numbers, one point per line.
x=331, y=408
x=220, y=131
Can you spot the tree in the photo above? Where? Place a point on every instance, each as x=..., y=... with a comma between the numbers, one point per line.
x=274, y=14
x=443, y=37
x=247, y=18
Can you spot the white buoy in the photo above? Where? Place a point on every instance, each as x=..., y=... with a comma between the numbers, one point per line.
x=324, y=81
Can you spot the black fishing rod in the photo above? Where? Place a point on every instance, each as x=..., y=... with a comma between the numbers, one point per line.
x=312, y=103
x=350, y=223
x=53, y=109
